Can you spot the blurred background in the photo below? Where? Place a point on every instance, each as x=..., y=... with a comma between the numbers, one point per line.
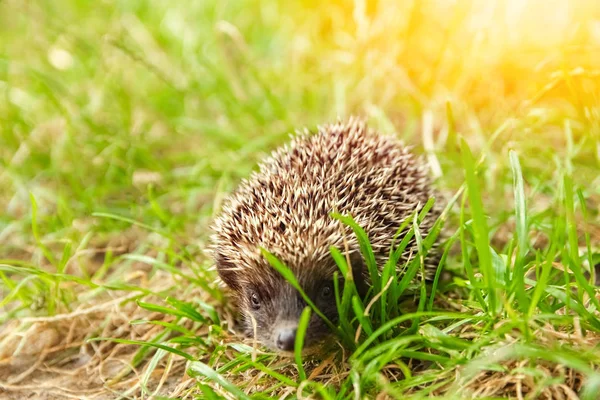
x=103, y=100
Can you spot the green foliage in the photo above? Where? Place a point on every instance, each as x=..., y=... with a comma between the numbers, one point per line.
x=124, y=124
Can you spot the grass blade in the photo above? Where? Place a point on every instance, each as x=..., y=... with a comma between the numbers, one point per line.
x=299, y=343
x=198, y=368
x=289, y=276
x=518, y=282
x=142, y=343
x=480, y=228
x=365, y=248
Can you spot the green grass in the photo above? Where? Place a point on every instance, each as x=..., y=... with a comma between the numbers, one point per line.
x=124, y=124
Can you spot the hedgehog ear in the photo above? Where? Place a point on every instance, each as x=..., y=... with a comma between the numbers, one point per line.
x=227, y=271
x=359, y=272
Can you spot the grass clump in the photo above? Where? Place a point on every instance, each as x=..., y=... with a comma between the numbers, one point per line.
x=123, y=126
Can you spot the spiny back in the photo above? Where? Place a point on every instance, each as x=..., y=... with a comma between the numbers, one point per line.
x=285, y=207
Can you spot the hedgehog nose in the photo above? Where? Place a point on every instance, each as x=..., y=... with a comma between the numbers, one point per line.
x=286, y=339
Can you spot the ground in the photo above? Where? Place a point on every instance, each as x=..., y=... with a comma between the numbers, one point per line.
x=124, y=124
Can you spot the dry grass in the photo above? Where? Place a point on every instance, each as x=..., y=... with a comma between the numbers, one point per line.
x=50, y=358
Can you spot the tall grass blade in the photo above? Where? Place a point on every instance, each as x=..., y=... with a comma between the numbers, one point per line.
x=480, y=228
x=518, y=277
x=299, y=343
x=198, y=368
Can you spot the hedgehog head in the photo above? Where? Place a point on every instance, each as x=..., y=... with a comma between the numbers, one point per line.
x=286, y=207
x=271, y=306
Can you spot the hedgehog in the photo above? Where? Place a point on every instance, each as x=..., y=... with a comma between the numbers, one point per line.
x=286, y=208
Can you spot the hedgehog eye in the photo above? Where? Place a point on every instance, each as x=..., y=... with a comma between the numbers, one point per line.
x=255, y=301
x=326, y=291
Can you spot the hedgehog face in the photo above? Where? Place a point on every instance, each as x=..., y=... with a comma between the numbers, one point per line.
x=276, y=313
x=271, y=306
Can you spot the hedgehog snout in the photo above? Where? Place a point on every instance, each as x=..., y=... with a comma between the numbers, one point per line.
x=286, y=338
x=284, y=334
